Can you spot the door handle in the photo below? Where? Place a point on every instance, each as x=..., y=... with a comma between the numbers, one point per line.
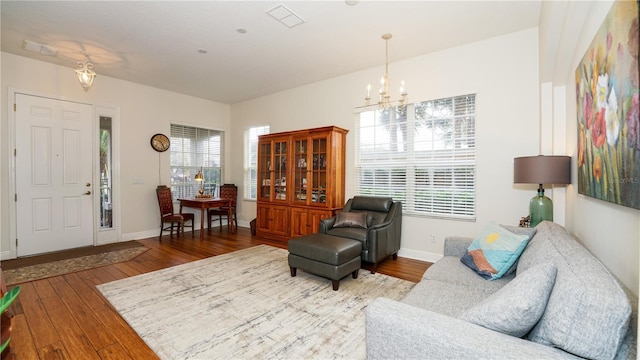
x=87, y=193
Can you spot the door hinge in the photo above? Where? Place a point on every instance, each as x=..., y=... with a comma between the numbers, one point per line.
x=16, y=197
x=14, y=107
x=16, y=242
x=15, y=152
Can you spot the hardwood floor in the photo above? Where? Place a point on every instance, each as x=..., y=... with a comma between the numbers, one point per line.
x=66, y=317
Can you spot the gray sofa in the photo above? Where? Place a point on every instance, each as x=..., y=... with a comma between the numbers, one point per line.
x=585, y=313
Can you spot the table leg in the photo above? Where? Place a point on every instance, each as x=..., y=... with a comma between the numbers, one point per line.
x=179, y=225
x=201, y=223
x=230, y=218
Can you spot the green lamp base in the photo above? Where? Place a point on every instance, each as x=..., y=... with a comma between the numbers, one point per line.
x=540, y=208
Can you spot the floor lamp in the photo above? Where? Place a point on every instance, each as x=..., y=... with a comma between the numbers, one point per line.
x=541, y=170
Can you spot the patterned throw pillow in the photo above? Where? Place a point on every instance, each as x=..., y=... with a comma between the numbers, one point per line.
x=516, y=307
x=494, y=251
x=351, y=219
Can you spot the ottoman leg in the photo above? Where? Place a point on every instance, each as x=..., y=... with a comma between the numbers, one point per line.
x=336, y=284
x=293, y=271
x=354, y=274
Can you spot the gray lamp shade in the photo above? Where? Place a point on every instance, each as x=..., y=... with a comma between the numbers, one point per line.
x=542, y=169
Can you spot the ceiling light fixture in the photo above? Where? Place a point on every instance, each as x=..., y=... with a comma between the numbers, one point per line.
x=385, y=96
x=85, y=74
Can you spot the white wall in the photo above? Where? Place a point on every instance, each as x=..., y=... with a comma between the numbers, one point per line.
x=503, y=71
x=144, y=111
x=610, y=231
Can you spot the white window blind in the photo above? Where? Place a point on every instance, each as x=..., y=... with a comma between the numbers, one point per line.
x=422, y=154
x=251, y=160
x=192, y=149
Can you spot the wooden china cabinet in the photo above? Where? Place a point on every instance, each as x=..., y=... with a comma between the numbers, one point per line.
x=300, y=181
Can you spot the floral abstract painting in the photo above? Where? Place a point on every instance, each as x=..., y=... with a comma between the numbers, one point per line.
x=608, y=108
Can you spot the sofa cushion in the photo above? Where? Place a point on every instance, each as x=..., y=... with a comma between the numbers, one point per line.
x=445, y=298
x=494, y=251
x=588, y=312
x=516, y=307
x=351, y=219
x=449, y=269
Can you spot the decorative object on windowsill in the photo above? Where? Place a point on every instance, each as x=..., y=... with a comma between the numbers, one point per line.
x=541, y=170
x=384, y=100
x=200, y=178
x=85, y=74
x=525, y=221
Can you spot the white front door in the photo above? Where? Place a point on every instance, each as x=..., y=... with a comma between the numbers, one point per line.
x=53, y=174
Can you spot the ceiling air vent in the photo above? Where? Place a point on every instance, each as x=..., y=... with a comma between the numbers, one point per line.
x=285, y=16
x=39, y=48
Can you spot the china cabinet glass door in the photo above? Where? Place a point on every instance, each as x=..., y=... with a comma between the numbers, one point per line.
x=280, y=170
x=301, y=163
x=264, y=172
x=319, y=170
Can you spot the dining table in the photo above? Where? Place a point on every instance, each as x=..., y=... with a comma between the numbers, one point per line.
x=207, y=203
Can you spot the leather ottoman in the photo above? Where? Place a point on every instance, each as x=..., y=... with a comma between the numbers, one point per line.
x=325, y=255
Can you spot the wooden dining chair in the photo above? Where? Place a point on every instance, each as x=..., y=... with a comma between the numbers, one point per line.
x=227, y=191
x=168, y=216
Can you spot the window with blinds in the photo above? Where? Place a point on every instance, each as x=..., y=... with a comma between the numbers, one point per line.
x=193, y=149
x=251, y=160
x=423, y=154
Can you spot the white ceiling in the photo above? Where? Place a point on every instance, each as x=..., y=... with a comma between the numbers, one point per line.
x=156, y=43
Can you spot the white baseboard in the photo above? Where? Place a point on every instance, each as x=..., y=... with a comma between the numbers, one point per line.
x=419, y=255
x=7, y=255
x=155, y=232
x=141, y=235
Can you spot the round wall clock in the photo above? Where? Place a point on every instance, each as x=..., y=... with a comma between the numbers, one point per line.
x=160, y=142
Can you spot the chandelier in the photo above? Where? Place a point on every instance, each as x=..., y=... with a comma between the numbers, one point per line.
x=384, y=100
x=85, y=74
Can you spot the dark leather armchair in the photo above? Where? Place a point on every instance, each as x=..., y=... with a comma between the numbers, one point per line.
x=381, y=237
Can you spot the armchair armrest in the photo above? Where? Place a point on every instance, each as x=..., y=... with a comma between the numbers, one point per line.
x=398, y=330
x=456, y=245
x=384, y=239
x=326, y=224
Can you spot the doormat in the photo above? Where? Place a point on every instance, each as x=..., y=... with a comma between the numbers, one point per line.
x=67, y=261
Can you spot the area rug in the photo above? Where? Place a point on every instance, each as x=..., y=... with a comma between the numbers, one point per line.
x=49, y=268
x=246, y=305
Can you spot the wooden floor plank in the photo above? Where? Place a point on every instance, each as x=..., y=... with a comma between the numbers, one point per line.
x=44, y=288
x=127, y=269
x=74, y=339
x=42, y=330
x=53, y=352
x=99, y=336
x=50, y=311
x=114, y=352
x=22, y=341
